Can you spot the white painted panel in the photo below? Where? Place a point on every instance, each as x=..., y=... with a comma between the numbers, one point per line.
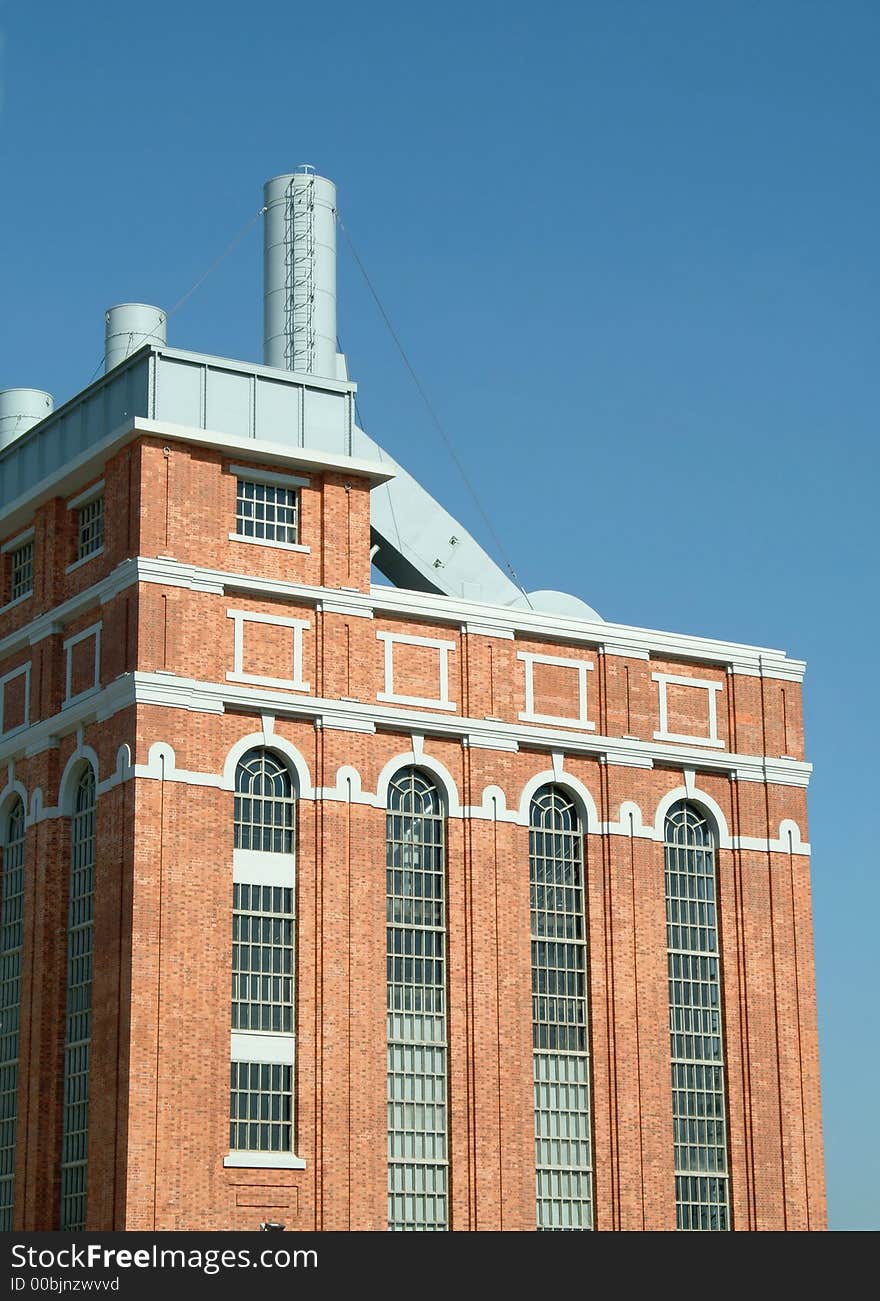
x=278, y=412
x=178, y=393
x=325, y=420
x=228, y=402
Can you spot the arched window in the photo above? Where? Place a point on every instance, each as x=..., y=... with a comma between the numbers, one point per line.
x=560, y=1022
x=12, y=837
x=697, y=1047
x=263, y=960
x=263, y=804
x=416, y=966
x=78, y=1017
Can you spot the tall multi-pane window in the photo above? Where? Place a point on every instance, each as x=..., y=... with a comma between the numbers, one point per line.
x=90, y=528
x=78, y=1018
x=560, y=1021
x=697, y=1047
x=267, y=511
x=263, y=935
x=12, y=838
x=21, y=571
x=416, y=973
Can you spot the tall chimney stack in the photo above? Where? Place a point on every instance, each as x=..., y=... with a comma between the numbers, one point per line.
x=299, y=274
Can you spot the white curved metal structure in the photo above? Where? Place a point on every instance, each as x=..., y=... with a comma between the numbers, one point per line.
x=20, y=410
x=128, y=326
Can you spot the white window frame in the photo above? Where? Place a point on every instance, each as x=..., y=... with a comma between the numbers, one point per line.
x=296, y=681
x=93, y=631
x=25, y=671
x=528, y=715
x=443, y=648
x=272, y=479
x=663, y=680
x=8, y=549
x=259, y=867
x=75, y=503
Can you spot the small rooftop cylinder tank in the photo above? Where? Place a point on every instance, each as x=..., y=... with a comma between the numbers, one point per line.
x=299, y=274
x=128, y=327
x=20, y=409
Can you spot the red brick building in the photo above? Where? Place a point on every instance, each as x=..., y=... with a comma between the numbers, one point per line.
x=359, y=907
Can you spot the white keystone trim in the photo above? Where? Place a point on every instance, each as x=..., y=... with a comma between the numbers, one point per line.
x=22, y=670
x=699, y=797
x=94, y=630
x=295, y=682
x=583, y=667
x=582, y=797
x=418, y=759
x=278, y=744
x=664, y=680
x=392, y=639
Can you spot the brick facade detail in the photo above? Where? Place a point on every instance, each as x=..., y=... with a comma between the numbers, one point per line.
x=159, y=656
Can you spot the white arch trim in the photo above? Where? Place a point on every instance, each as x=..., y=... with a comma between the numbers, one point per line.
x=702, y=800
x=566, y=782
x=11, y=791
x=427, y=764
x=789, y=839
x=268, y=741
x=630, y=822
x=67, y=786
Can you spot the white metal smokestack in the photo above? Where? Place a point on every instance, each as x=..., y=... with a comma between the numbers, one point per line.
x=20, y=409
x=299, y=274
x=128, y=327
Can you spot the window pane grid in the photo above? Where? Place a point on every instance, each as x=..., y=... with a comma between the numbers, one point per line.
x=11, y=913
x=266, y=511
x=416, y=975
x=90, y=534
x=261, y=1107
x=263, y=804
x=696, y=1041
x=75, y=1118
x=563, y=1156
x=262, y=958
x=21, y=571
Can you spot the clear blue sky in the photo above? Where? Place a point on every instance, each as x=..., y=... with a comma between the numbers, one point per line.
x=632, y=249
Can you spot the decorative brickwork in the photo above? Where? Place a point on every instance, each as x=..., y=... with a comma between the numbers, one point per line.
x=166, y=656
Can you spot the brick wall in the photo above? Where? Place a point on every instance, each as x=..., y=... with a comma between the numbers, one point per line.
x=159, y=1084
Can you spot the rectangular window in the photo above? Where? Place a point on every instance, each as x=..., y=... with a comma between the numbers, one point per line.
x=21, y=571
x=261, y=1107
x=90, y=528
x=267, y=511
x=262, y=958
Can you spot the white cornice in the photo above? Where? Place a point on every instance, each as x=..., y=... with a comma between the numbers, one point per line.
x=173, y=692
x=486, y=620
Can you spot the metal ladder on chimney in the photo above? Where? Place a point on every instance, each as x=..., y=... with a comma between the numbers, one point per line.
x=299, y=342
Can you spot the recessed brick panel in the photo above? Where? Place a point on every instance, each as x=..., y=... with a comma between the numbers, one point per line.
x=556, y=690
